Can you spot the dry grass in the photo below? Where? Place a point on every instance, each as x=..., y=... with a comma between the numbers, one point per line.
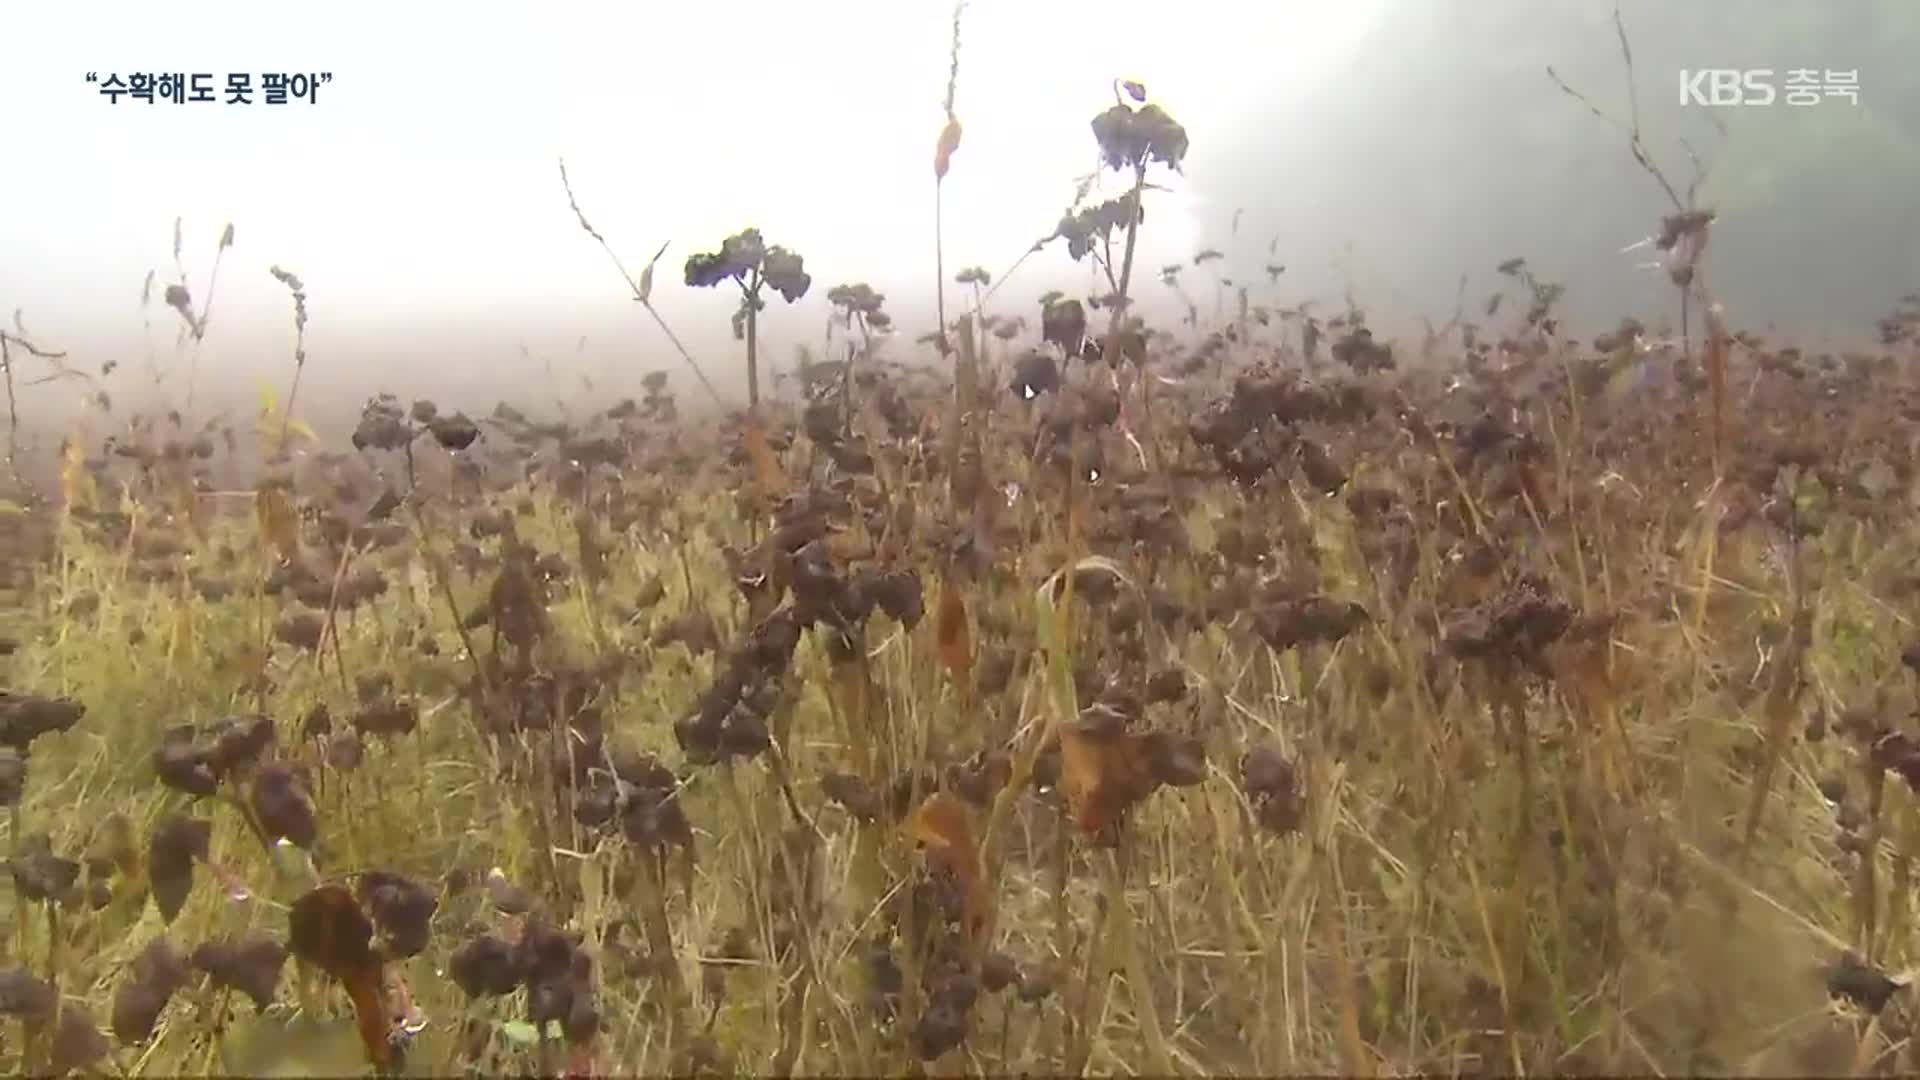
x=1235, y=700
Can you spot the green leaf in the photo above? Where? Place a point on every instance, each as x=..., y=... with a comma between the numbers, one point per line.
x=520, y=1032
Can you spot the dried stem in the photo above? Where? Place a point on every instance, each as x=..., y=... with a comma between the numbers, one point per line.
x=7, y=342
x=642, y=288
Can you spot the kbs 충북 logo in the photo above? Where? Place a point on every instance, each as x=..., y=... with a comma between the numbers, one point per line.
x=1735, y=87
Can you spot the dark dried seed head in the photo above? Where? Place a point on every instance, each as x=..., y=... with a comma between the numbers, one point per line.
x=283, y=807
x=998, y=971
x=13, y=776
x=485, y=967
x=26, y=717
x=176, y=842
x=238, y=741
x=402, y=910
x=182, y=765
x=25, y=995
x=250, y=965
x=77, y=1041
x=38, y=874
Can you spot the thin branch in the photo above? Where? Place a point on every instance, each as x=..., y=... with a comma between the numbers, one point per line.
x=940, y=181
x=1634, y=141
x=641, y=288
x=7, y=342
x=1009, y=271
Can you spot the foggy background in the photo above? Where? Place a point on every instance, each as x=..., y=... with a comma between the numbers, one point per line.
x=1379, y=146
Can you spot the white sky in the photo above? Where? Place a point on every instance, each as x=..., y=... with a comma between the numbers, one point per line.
x=420, y=195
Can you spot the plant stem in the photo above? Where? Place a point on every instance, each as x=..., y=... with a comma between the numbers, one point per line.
x=286, y=417
x=1139, y=979
x=940, y=261
x=752, y=301
x=1112, y=350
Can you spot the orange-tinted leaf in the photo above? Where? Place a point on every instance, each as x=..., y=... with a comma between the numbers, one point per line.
x=941, y=824
x=951, y=634
x=766, y=466
x=943, y=153
x=1103, y=774
x=327, y=929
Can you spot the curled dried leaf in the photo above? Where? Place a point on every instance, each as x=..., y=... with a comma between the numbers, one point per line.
x=1104, y=772
x=943, y=152
x=767, y=474
x=941, y=824
x=327, y=929
x=250, y=965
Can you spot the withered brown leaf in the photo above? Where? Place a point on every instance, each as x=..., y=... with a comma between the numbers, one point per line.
x=767, y=474
x=941, y=824
x=1103, y=774
x=327, y=929
x=944, y=150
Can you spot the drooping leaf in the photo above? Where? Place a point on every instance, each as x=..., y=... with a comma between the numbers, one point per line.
x=1103, y=774
x=941, y=824
x=944, y=150
x=327, y=929
x=645, y=291
x=767, y=474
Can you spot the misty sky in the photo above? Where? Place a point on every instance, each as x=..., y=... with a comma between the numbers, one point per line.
x=420, y=200
x=1387, y=146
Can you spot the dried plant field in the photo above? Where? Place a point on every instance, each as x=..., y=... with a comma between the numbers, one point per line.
x=1238, y=696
